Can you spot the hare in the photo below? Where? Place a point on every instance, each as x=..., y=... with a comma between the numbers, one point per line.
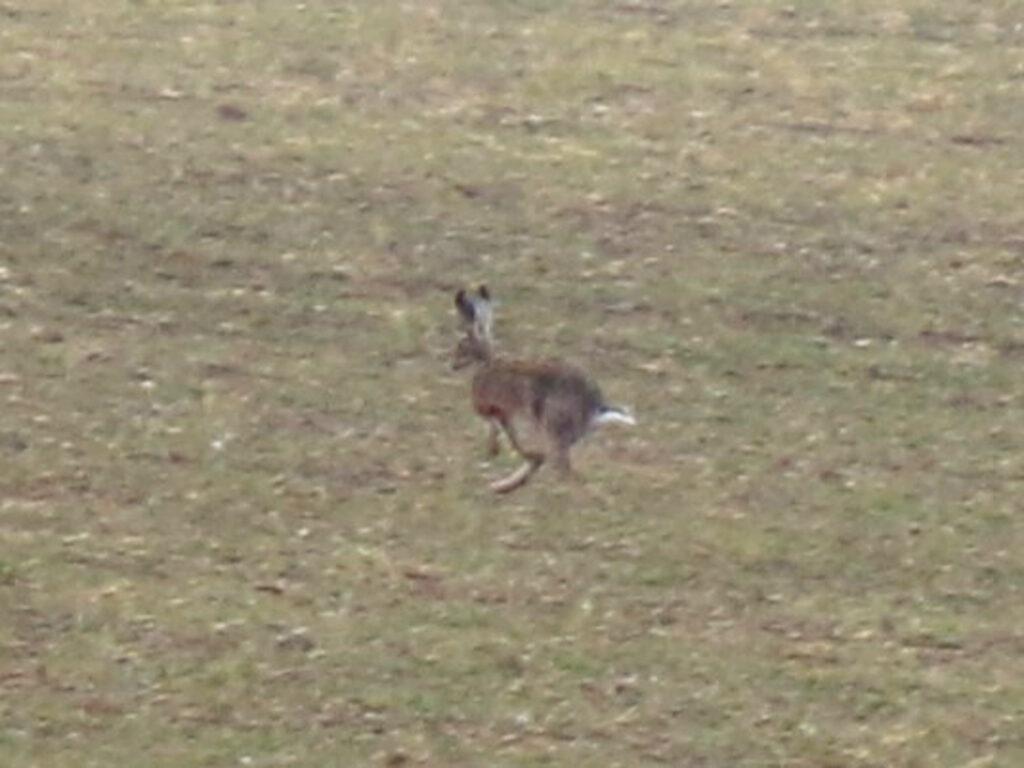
x=560, y=400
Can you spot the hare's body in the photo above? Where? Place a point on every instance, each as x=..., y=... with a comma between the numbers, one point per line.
x=558, y=397
x=559, y=400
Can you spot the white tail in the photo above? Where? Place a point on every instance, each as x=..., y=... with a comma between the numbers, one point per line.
x=609, y=415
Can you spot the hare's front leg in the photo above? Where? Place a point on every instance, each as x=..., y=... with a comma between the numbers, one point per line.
x=494, y=438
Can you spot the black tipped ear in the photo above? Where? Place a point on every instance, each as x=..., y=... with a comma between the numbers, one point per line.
x=484, y=293
x=464, y=305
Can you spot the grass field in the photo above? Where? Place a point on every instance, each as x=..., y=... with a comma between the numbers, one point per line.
x=244, y=516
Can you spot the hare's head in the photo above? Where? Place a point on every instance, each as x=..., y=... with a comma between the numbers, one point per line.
x=475, y=315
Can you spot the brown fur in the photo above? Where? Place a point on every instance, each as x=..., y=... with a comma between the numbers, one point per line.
x=555, y=397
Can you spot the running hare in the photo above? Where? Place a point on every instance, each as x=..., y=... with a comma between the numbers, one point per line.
x=561, y=401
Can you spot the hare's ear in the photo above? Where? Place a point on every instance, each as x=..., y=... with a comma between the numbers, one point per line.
x=484, y=312
x=465, y=306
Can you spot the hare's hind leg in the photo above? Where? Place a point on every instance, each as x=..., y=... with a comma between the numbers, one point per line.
x=563, y=431
x=519, y=478
x=561, y=461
